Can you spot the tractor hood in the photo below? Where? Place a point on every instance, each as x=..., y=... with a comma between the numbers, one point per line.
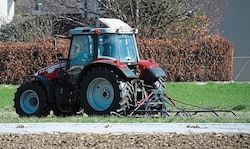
x=51, y=72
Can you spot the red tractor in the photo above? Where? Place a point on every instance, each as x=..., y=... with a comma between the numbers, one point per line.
x=102, y=74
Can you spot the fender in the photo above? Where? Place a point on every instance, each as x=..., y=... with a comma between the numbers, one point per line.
x=49, y=87
x=121, y=67
x=150, y=70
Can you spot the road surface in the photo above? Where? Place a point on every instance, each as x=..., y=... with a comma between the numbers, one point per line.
x=124, y=128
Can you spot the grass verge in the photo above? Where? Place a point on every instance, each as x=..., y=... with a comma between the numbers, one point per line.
x=230, y=96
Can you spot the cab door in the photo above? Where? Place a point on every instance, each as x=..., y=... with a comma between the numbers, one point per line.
x=81, y=53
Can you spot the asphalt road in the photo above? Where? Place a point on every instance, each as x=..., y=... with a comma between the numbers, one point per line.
x=124, y=128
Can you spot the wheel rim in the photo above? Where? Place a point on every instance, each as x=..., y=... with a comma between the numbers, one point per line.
x=29, y=101
x=100, y=94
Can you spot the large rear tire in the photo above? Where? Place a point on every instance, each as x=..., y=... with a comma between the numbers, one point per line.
x=31, y=100
x=100, y=92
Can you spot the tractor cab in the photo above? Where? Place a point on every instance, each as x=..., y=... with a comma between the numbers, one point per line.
x=117, y=41
x=113, y=43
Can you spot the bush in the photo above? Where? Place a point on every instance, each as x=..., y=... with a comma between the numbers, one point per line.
x=207, y=59
x=20, y=59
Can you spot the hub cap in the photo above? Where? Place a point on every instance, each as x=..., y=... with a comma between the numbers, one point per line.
x=29, y=101
x=100, y=94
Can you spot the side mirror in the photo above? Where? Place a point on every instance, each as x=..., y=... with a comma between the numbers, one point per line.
x=55, y=39
x=55, y=43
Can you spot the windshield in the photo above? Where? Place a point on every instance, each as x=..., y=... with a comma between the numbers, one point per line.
x=117, y=47
x=127, y=48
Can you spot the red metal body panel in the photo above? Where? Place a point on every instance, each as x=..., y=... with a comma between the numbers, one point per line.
x=116, y=63
x=51, y=72
x=146, y=64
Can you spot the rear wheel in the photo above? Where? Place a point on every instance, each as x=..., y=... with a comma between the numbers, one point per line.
x=30, y=100
x=100, y=92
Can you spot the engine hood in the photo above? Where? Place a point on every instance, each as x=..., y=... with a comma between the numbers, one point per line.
x=51, y=72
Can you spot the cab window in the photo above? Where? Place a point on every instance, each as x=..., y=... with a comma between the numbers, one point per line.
x=107, y=46
x=81, y=51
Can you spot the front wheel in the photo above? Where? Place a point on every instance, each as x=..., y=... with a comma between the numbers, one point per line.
x=30, y=100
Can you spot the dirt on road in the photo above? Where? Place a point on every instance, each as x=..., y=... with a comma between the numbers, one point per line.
x=102, y=141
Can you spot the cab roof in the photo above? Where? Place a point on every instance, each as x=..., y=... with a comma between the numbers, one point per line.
x=115, y=26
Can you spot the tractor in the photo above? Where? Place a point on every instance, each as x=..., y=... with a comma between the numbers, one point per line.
x=102, y=74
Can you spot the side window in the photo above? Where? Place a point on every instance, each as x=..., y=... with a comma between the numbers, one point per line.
x=107, y=46
x=81, y=51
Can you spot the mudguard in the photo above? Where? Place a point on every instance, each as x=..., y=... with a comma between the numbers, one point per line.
x=153, y=73
x=150, y=70
x=49, y=88
x=122, y=68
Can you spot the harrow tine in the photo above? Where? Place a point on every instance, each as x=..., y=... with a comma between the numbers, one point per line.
x=159, y=95
x=214, y=111
x=142, y=102
x=174, y=101
x=200, y=111
x=180, y=110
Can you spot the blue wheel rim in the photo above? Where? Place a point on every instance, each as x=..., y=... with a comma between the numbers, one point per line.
x=100, y=94
x=29, y=101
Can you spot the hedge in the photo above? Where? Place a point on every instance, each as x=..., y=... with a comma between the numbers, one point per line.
x=24, y=58
x=208, y=59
